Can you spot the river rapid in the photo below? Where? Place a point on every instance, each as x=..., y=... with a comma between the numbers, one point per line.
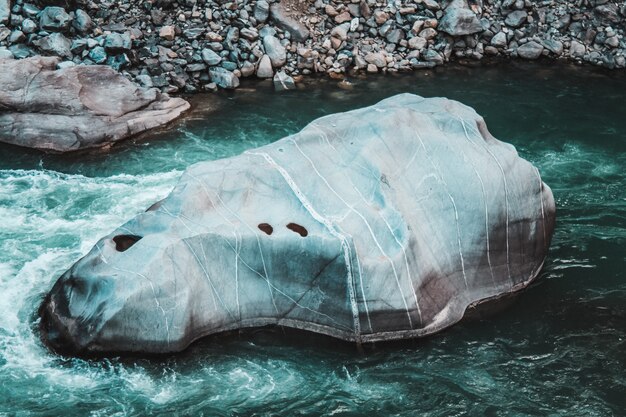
x=559, y=350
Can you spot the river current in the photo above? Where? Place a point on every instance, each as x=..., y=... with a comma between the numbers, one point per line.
x=559, y=350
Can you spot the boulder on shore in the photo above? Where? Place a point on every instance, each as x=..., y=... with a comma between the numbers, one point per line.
x=381, y=223
x=77, y=107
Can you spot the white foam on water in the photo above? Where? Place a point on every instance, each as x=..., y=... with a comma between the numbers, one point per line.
x=48, y=220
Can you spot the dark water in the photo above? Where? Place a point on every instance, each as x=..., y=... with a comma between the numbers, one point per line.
x=560, y=350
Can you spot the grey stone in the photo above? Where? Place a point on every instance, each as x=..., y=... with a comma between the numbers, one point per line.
x=117, y=42
x=276, y=52
x=264, y=68
x=223, y=78
x=54, y=18
x=75, y=108
x=530, y=50
x=55, y=44
x=210, y=58
x=261, y=11
x=82, y=22
x=5, y=11
x=377, y=224
x=516, y=19
x=283, y=20
x=577, y=49
x=376, y=58
x=499, y=40
x=459, y=20
x=554, y=46
x=282, y=81
x=430, y=55
x=29, y=26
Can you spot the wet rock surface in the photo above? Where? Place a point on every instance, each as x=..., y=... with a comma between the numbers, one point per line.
x=382, y=223
x=75, y=107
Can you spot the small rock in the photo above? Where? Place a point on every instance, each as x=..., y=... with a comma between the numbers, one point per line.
x=54, y=18
x=276, y=52
x=282, y=82
x=5, y=11
x=98, y=55
x=210, y=57
x=554, y=46
x=5, y=53
x=530, y=50
x=28, y=26
x=459, y=20
x=417, y=43
x=223, y=78
x=117, y=42
x=261, y=11
x=167, y=33
x=577, y=49
x=264, y=68
x=82, y=22
x=499, y=40
x=56, y=44
x=516, y=19
x=376, y=58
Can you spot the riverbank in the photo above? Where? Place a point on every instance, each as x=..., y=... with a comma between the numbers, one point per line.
x=198, y=45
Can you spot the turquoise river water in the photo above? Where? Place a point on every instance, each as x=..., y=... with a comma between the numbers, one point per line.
x=559, y=350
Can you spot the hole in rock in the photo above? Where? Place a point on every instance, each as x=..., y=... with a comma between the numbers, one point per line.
x=298, y=229
x=266, y=228
x=123, y=242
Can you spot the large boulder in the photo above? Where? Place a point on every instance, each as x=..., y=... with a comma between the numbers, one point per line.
x=382, y=223
x=75, y=108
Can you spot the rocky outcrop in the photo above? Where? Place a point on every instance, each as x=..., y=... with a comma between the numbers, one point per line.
x=382, y=223
x=76, y=107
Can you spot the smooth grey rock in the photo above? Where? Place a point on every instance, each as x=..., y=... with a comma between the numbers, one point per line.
x=264, y=68
x=55, y=44
x=5, y=11
x=382, y=223
x=223, y=78
x=276, y=52
x=261, y=11
x=82, y=22
x=530, y=50
x=54, y=18
x=282, y=81
x=516, y=19
x=459, y=20
x=283, y=20
x=499, y=40
x=210, y=57
x=75, y=108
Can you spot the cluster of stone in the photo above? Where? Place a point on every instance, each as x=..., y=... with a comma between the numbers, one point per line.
x=195, y=45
